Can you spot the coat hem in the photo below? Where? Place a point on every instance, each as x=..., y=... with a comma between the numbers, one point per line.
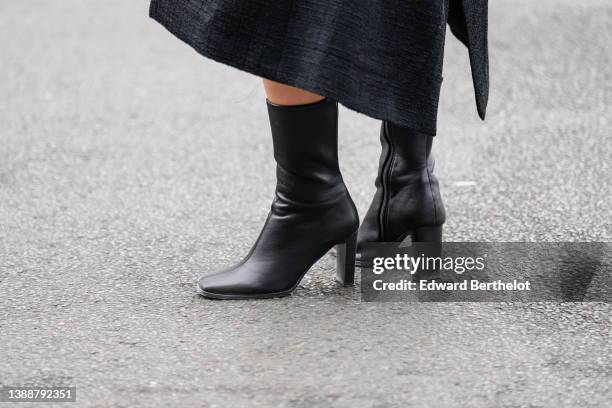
x=413, y=120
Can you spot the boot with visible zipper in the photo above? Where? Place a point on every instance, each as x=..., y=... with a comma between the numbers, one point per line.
x=407, y=203
x=312, y=210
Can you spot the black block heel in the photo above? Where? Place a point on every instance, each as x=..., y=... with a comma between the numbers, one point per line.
x=427, y=234
x=432, y=238
x=345, y=261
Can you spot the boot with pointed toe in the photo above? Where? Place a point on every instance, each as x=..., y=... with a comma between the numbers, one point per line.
x=312, y=210
x=407, y=203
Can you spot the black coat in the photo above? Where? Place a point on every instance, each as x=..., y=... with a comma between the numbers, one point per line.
x=379, y=57
x=468, y=20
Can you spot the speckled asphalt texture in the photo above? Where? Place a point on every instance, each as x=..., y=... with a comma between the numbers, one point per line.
x=129, y=166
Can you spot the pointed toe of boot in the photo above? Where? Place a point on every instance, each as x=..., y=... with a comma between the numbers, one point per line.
x=238, y=283
x=223, y=286
x=207, y=286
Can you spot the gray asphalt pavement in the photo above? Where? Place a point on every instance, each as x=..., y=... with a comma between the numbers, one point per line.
x=129, y=166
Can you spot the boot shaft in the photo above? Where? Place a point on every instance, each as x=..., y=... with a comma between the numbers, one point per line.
x=411, y=148
x=305, y=140
x=411, y=193
x=407, y=192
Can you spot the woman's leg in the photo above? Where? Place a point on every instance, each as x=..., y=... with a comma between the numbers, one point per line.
x=281, y=94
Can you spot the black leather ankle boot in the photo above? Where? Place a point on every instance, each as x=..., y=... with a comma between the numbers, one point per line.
x=407, y=202
x=312, y=210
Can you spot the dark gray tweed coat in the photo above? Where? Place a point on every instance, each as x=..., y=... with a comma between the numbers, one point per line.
x=379, y=57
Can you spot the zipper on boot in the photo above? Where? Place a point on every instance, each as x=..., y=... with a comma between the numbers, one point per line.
x=384, y=181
